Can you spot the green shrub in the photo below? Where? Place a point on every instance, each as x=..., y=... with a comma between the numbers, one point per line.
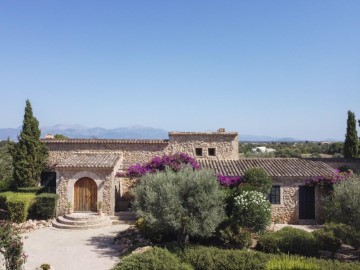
x=17, y=205
x=29, y=189
x=11, y=246
x=257, y=179
x=288, y=240
x=326, y=240
x=291, y=263
x=342, y=206
x=44, y=206
x=4, y=186
x=347, y=234
x=180, y=204
x=235, y=237
x=211, y=258
x=3, y=198
x=153, y=259
x=251, y=210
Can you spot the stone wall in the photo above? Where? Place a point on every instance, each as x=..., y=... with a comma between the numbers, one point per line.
x=353, y=164
x=225, y=144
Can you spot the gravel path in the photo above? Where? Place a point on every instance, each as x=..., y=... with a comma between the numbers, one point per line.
x=72, y=250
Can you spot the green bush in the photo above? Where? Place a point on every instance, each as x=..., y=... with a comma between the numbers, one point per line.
x=210, y=258
x=326, y=240
x=11, y=246
x=4, y=186
x=288, y=240
x=29, y=189
x=347, y=234
x=342, y=206
x=180, y=204
x=153, y=259
x=257, y=179
x=45, y=206
x=17, y=205
x=291, y=263
x=235, y=237
x=251, y=210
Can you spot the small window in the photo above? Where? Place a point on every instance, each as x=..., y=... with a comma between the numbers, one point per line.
x=198, y=152
x=212, y=152
x=274, y=196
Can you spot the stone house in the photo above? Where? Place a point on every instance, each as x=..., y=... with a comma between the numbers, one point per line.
x=85, y=170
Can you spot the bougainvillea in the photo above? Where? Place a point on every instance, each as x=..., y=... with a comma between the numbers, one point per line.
x=175, y=162
x=229, y=181
x=326, y=182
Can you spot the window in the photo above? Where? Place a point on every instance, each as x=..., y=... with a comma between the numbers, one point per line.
x=212, y=152
x=274, y=196
x=198, y=152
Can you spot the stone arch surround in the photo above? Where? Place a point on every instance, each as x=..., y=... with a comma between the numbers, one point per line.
x=103, y=178
x=77, y=176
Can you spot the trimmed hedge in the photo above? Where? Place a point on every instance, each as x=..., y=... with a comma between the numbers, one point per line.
x=211, y=258
x=28, y=189
x=21, y=205
x=153, y=259
x=288, y=240
x=45, y=206
x=17, y=205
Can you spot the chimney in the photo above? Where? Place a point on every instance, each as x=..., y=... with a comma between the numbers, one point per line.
x=221, y=130
x=49, y=136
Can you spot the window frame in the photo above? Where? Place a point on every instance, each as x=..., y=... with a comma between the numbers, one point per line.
x=212, y=149
x=201, y=152
x=277, y=195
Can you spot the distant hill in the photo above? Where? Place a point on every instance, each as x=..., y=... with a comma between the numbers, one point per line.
x=134, y=132
x=78, y=131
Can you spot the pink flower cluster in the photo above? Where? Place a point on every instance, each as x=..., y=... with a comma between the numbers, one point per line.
x=329, y=181
x=229, y=181
x=175, y=162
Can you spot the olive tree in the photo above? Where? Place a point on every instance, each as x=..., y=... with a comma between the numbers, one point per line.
x=342, y=205
x=184, y=203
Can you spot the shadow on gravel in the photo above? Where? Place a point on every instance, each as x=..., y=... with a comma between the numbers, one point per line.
x=104, y=245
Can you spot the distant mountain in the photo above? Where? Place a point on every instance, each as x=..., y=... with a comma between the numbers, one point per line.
x=78, y=131
x=256, y=138
x=133, y=132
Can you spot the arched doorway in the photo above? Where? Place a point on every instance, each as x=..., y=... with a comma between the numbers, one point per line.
x=85, y=195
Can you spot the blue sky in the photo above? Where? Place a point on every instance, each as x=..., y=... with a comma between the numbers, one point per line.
x=277, y=68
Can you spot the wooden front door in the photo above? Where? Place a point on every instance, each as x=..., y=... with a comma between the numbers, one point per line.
x=306, y=202
x=85, y=191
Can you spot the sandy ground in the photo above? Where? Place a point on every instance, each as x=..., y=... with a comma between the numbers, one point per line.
x=68, y=250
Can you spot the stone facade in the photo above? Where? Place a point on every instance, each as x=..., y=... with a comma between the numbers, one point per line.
x=219, y=151
x=288, y=209
x=225, y=145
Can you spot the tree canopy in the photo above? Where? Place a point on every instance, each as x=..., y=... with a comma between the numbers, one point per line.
x=351, y=138
x=29, y=154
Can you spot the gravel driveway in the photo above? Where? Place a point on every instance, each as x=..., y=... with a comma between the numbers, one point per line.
x=72, y=250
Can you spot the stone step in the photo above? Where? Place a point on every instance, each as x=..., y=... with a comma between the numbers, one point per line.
x=80, y=222
x=104, y=224
x=83, y=216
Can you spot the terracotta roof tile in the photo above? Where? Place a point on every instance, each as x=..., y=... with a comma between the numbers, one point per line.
x=275, y=167
x=115, y=141
x=89, y=160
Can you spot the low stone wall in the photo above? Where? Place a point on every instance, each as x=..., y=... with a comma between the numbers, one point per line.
x=353, y=164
